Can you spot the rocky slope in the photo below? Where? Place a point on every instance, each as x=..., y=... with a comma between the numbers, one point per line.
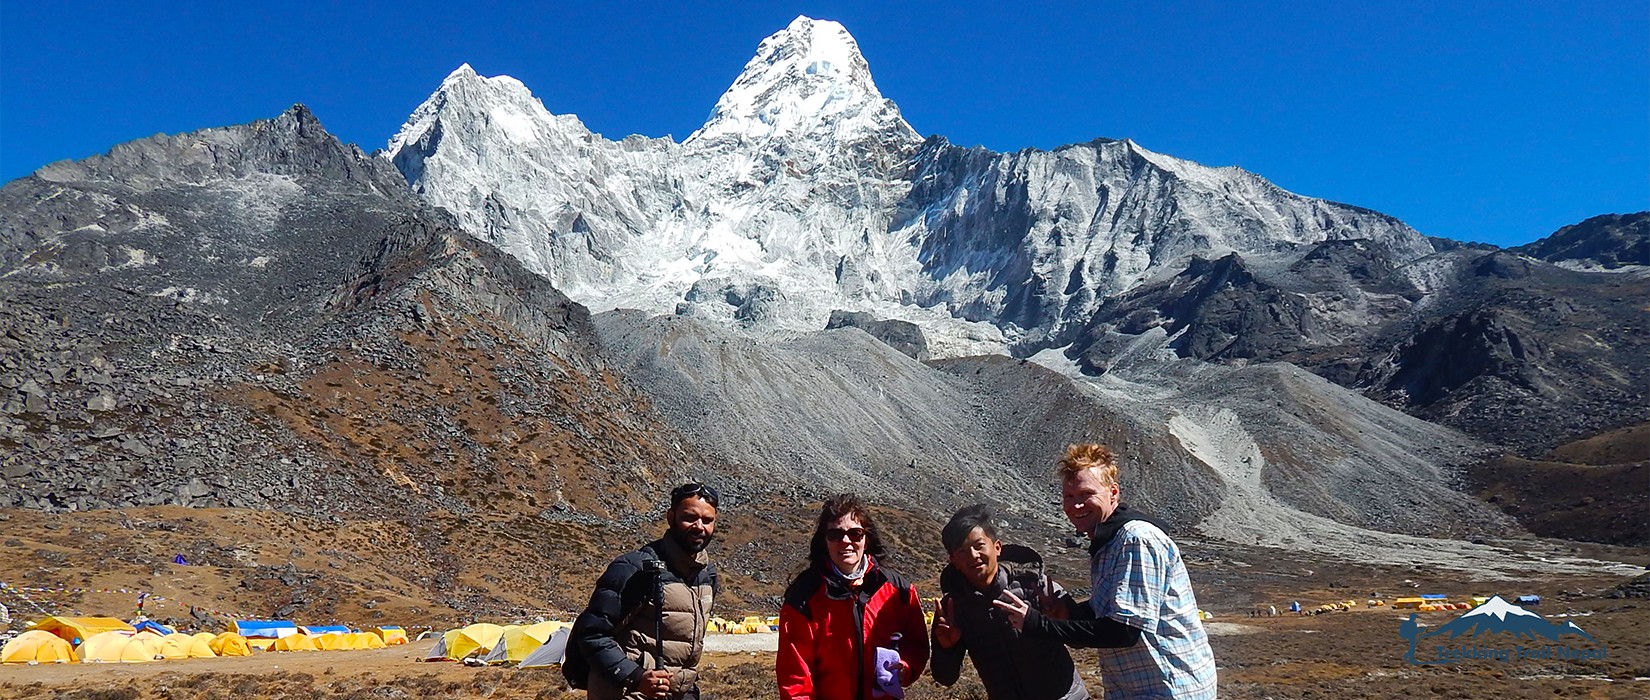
x=1592, y=490
x=1511, y=350
x=1608, y=242
x=260, y=316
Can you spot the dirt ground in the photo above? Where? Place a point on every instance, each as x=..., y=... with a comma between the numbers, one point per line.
x=1337, y=656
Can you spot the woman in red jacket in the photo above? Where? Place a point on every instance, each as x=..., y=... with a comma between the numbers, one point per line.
x=850, y=629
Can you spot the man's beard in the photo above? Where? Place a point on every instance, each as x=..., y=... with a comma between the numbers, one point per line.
x=686, y=541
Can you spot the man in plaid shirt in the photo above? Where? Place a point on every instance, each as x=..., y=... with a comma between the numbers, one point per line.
x=1143, y=616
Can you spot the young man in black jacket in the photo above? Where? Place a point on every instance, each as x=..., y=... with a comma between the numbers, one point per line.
x=982, y=570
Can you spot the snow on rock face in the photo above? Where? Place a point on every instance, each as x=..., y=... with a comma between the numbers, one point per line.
x=806, y=192
x=1035, y=240
x=806, y=80
x=540, y=186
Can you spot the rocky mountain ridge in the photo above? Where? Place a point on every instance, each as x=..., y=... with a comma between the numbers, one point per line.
x=806, y=192
x=259, y=316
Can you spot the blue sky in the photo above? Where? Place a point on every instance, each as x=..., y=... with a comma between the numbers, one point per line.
x=1490, y=121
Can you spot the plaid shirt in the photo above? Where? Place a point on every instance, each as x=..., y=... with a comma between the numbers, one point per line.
x=1140, y=581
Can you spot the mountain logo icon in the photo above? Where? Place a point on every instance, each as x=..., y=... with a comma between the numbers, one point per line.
x=1497, y=618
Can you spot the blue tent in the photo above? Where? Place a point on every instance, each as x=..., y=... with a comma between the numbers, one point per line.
x=1528, y=600
x=325, y=629
x=1434, y=596
x=267, y=629
x=158, y=628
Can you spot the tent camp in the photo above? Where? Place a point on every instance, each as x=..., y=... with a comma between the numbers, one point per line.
x=183, y=646
x=76, y=630
x=294, y=642
x=37, y=646
x=116, y=647
x=152, y=626
x=551, y=652
x=462, y=642
x=519, y=641
x=264, y=629
x=391, y=635
x=229, y=644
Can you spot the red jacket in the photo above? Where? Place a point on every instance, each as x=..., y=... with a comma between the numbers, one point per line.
x=828, y=634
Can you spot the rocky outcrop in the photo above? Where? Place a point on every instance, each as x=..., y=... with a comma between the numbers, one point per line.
x=903, y=336
x=1609, y=242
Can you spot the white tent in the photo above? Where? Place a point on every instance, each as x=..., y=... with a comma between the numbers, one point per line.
x=551, y=652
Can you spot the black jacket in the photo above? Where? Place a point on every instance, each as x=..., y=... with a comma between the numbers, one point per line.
x=616, y=632
x=1012, y=666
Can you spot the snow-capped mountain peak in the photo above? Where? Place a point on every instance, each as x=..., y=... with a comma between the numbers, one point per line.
x=805, y=79
x=806, y=192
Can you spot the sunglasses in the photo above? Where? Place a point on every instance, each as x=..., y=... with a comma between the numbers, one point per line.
x=686, y=491
x=853, y=534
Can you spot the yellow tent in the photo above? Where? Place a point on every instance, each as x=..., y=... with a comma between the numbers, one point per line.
x=366, y=640
x=37, y=646
x=331, y=641
x=462, y=642
x=204, y=636
x=230, y=644
x=520, y=640
x=392, y=635
x=116, y=647
x=76, y=630
x=183, y=646
x=295, y=642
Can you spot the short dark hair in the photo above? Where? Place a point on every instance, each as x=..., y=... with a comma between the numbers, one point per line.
x=964, y=521
x=706, y=493
x=835, y=507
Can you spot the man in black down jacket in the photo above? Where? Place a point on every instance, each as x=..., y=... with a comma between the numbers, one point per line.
x=1011, y=665
x=634, y=648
